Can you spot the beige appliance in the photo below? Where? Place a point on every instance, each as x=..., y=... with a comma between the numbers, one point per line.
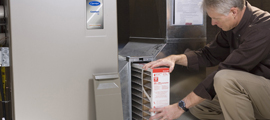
x=56, y=46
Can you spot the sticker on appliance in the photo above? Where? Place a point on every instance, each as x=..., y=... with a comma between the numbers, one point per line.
x=94, y=14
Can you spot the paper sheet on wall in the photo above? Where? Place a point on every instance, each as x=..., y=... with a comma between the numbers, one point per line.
x=188, y=12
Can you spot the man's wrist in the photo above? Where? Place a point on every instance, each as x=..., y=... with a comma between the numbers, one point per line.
x=182, y=105
x=180, y=110
x=180, y=59
x=173, y=58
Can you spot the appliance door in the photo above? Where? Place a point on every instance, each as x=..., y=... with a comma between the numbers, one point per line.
x=54, y=55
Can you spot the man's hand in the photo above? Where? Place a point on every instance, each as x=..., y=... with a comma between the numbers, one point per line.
x=167, y=113
x=173, y=111
x=168, y=61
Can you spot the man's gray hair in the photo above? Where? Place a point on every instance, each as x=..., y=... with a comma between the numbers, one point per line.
x=223, y=6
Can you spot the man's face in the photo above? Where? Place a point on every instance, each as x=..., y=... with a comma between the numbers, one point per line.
x=225, y=22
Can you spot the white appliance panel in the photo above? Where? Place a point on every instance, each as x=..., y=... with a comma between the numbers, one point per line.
x=54, y=57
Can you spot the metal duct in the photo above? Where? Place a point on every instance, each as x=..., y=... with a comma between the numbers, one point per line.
x=153, y=36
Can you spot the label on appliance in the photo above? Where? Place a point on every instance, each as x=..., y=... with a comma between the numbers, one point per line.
x=94, y=14
x=188, y=12
x=160, y=88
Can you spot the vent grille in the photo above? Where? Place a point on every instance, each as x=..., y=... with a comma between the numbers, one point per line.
x=141, y=88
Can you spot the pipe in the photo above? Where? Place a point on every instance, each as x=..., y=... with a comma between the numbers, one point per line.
x=2, y=12
x=3, y=96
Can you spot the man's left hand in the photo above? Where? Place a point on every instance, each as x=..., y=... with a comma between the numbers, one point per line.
x=167, y=113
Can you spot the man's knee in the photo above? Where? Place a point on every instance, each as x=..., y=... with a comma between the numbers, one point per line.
x=223, y=78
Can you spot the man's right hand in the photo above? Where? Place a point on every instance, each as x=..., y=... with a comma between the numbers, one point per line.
x=167, y=61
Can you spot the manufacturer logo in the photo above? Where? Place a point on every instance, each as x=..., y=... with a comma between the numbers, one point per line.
x=94, y=3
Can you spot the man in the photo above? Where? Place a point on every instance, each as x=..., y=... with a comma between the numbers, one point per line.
x=240, y=88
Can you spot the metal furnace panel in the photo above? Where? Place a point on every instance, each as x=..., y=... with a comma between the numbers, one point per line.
x=54, y=57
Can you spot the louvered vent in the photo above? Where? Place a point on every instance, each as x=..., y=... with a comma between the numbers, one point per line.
x=140, y=102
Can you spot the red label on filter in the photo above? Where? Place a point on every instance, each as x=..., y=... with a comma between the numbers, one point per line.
x=160, y=94
x=157, y=70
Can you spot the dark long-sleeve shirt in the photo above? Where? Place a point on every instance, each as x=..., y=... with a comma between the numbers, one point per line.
x=245, y=48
